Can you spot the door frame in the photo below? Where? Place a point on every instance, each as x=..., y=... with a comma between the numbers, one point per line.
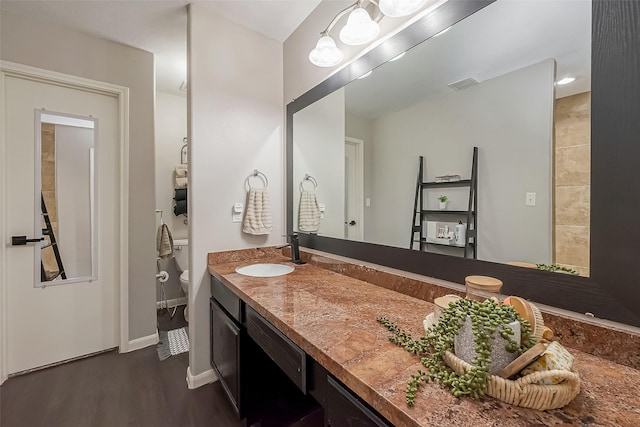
x=12, y=69
x=359, y=144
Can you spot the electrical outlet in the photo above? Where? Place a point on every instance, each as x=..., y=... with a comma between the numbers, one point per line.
x=367, y=202
x=530, y=199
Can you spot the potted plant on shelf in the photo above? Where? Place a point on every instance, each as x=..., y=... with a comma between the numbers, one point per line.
x=443, y=202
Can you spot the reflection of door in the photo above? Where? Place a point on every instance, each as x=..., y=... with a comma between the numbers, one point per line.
x=53, y=323
x=353, y=189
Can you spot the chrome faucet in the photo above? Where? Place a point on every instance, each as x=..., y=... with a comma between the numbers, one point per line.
x=295, y=249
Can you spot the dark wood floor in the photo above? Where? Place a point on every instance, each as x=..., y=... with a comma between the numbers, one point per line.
x=114, y=390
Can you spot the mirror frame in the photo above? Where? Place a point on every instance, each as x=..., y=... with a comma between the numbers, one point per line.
x=611, y=291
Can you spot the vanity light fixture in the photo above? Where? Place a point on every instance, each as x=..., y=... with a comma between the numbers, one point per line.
x=326, y=53
x=566, y=81
x=367, y=74
x=398, y=8
x=360, y=28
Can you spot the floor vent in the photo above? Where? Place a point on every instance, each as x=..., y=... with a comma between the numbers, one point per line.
x=463, y=84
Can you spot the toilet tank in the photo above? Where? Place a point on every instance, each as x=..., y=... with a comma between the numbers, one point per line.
x=181, y=253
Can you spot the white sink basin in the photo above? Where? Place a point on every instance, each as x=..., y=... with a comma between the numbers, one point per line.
x=264, y=270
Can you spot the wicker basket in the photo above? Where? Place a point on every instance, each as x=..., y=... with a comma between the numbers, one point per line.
x=525, y=391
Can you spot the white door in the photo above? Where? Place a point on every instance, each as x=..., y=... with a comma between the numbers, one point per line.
x=353, y=189
x=52, y=321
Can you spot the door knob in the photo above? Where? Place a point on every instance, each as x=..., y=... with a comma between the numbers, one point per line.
x=22, y=240
x=352, y=222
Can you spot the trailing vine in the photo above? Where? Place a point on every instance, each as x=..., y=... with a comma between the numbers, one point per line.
x=486, y=317
x=556, y=267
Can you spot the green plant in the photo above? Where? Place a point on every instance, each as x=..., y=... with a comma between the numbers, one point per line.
x=485, y=317
x=443, y=198
x=556, y=267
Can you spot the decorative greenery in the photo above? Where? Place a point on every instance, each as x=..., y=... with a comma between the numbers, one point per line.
x=556, y=267
x=486, y=317
x=443, y=198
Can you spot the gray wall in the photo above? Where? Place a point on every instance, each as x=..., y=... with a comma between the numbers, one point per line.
x=510, y=119
x=171, y=128
x=73, y=177
x=41, y=44
x=235, y=115
x=359, y=128
x=318, y=150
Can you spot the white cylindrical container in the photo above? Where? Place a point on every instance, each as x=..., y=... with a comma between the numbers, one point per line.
x=461, y=233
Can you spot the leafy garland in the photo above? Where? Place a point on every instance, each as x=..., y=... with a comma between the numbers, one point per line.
x=486, y=317
x=556, y=267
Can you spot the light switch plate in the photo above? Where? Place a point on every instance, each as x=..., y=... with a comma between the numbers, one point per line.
x=236, y=218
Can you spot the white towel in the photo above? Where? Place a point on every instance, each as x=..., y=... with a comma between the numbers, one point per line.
x=180, y=176
x=308, y=212
x=181, y=171
x=181, y=183
x=164, y=241
x=257, y=216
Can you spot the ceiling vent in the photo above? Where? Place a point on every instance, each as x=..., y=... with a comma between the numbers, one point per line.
x=463, y=84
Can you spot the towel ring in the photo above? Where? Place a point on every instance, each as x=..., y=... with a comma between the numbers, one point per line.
x=309, y=178
x=256, y=173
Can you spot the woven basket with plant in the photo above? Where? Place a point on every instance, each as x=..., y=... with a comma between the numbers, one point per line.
x=435, y=350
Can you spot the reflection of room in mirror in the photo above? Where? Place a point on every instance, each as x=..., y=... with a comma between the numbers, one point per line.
x=407, y=109
x=67, y=180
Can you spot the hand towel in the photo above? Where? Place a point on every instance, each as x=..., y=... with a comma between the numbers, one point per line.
x=181, y=183
x=180, y=194
x=180, y=208
x=308, y=212
x=164, y=241
x=181, y=171
x=181, y=176
x=257, y=217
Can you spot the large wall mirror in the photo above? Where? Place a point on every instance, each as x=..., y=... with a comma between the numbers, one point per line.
x=66, y=206
x=512, y=78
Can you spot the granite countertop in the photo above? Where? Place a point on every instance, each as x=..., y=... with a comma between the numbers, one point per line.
x=332, y=317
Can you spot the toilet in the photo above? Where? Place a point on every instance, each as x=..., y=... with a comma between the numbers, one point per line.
x=181, y=254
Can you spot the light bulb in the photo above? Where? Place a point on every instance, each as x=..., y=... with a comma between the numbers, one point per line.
x=397, y=8
x=566, y=81
x=326, y=53
x=360, y=28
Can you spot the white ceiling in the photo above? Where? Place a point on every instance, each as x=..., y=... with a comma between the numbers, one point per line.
x=505, y=36
x=160, y=27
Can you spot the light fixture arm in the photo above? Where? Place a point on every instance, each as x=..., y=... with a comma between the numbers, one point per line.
x=338, y=16
x=379, y=15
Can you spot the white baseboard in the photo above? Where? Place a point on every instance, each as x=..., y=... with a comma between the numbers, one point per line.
x=172, y=302
x=199, y=380
x=142, y=342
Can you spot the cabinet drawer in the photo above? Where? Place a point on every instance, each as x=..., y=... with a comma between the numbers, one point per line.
x=284, y=352
x=344, y=409
x=227, y=299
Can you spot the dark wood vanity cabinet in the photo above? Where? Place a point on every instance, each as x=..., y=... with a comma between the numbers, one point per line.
x=343, y=409
x=226, y=347
x=271, y=381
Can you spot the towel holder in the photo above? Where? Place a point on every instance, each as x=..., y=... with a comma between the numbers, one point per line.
x=309, y=178
x=183, y=152
x=256, y=173
x=160, y=212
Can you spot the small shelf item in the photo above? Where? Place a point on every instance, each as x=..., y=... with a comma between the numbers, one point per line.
x=423, y=215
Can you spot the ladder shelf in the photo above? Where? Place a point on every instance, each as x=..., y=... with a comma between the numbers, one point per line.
x=421, y=213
